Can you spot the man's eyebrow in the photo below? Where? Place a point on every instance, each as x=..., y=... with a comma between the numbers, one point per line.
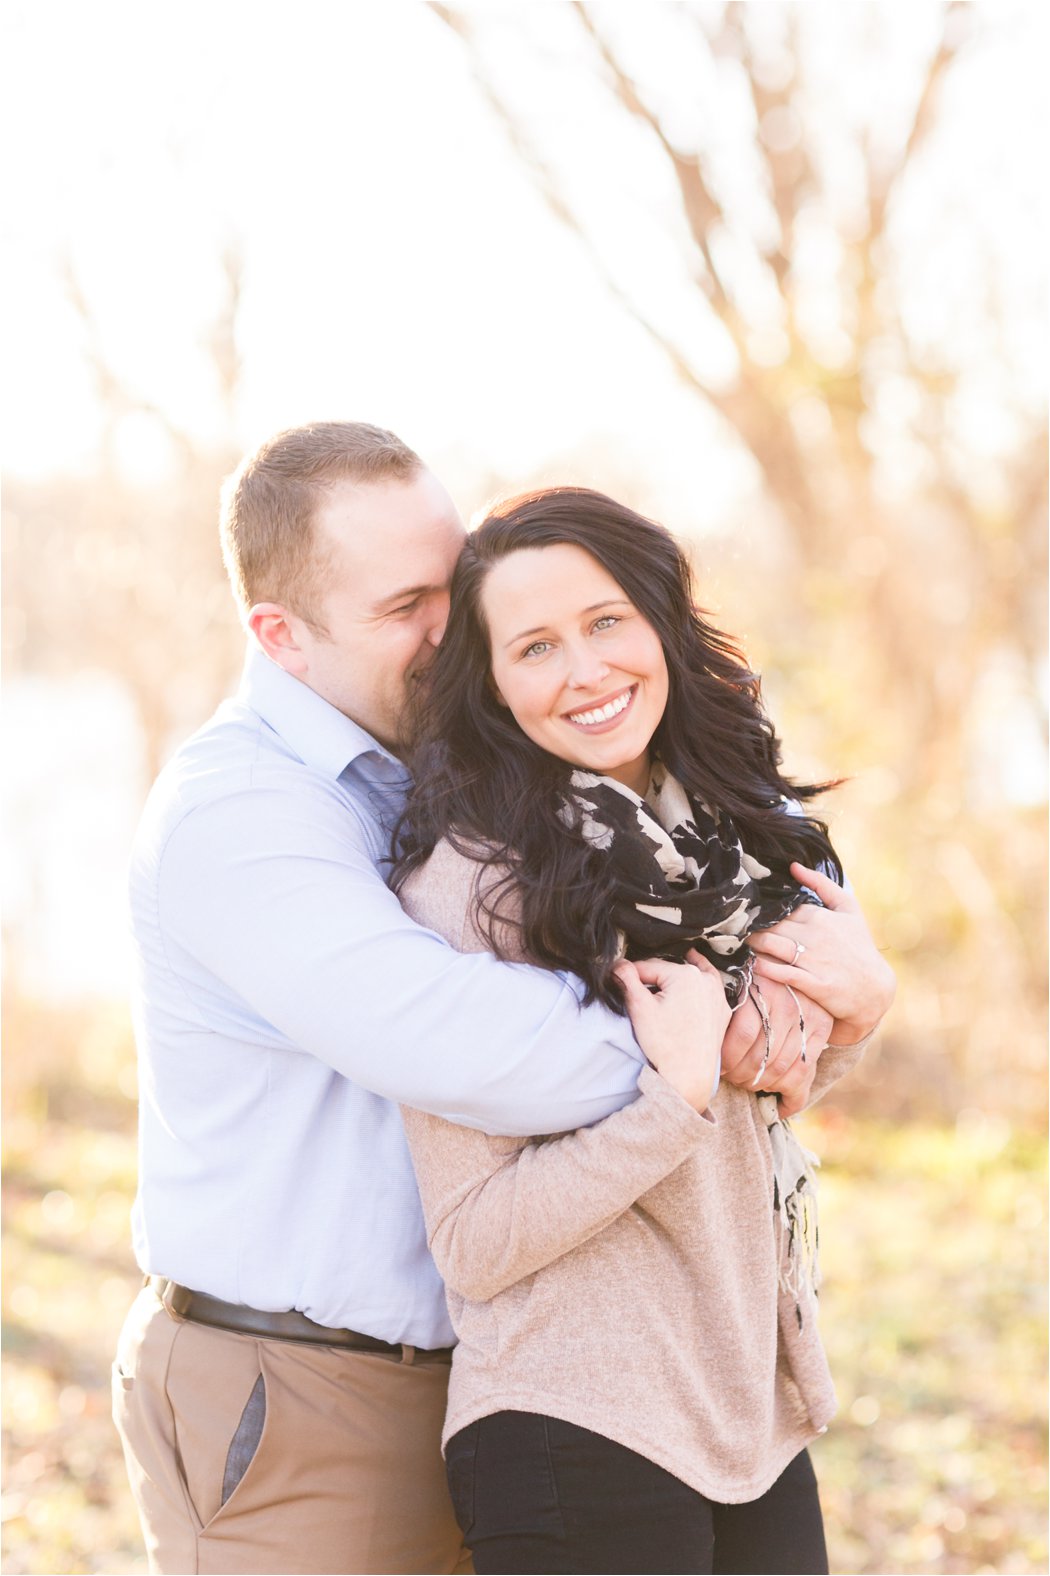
x=405, y=595
x=612, y=601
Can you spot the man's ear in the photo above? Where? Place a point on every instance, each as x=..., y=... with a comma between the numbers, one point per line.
x=276, y=630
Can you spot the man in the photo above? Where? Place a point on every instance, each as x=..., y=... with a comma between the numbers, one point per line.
x=280, y=1380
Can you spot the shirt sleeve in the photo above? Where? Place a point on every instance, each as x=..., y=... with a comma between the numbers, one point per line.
x=497, y=1211
x=280, y=929
x=796, y=807
x=835, y=1062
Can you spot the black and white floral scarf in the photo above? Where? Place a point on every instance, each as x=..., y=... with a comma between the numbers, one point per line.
x=683, y=879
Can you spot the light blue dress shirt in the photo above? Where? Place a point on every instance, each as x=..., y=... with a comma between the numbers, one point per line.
x=284, y=1002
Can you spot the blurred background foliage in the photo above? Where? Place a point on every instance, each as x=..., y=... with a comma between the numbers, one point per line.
x=761, y=195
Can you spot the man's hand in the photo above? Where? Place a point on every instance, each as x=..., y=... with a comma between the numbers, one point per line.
x=829, y=955
x=680, y=1023
x=785, y=1073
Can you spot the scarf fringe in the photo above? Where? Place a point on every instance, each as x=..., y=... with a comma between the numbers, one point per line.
x=795, y=1208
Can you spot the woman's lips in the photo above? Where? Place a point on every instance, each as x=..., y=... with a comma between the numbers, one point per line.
x=622, y=700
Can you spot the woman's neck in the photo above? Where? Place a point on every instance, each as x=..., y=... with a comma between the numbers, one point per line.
x=635, y=775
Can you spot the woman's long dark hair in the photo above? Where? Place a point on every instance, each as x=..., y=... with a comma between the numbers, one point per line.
x=479, y=780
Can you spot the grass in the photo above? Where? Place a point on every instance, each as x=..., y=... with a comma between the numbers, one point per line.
x=934, y=1314
x=934, y=1247
x=69, y=1279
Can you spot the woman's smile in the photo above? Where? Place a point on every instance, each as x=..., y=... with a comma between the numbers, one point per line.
x=580, y=668
x=604, y=714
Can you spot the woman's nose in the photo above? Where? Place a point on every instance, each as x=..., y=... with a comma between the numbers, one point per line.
x=586, y=669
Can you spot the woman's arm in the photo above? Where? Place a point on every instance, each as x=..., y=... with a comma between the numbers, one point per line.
x=497, y=1211
x=495, y=1216
x=834, y=1062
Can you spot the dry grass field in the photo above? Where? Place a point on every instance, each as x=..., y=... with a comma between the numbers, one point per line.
x=934, y=1311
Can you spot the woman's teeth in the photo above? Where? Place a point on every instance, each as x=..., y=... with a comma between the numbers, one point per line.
x=604, y=713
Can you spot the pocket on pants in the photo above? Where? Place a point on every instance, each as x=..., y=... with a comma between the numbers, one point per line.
x=217, y=1393
x=515, y=1494
x=122, y=1399
x=121, y=1381
x=460, y=1463
x=244, y=1445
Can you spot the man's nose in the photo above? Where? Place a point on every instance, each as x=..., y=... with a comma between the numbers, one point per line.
x=438, y=620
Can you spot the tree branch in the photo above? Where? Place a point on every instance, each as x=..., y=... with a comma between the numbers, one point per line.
x=114, y=395
x=789, y=170
x=750, y=408
x=222, y=346
x=881, y=187
x=551, y=192
x=702, y=208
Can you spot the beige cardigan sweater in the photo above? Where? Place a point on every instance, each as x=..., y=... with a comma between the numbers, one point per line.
x=622, y=1277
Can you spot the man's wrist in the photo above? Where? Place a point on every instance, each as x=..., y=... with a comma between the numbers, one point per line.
x=848, y=1033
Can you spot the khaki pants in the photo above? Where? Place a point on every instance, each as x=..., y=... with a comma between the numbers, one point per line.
x=346, y=1476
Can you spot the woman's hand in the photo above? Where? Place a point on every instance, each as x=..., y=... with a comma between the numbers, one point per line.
x=828, y=953
x=680, y=1024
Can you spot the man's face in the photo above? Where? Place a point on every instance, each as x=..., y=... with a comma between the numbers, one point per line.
x=390, y=548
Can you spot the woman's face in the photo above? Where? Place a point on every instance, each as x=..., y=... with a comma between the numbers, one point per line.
x=579, y=667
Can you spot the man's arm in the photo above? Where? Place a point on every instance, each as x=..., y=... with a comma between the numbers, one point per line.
x=785, y=1073
x=275, y=895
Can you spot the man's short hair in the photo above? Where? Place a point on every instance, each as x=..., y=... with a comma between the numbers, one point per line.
x=269, y=506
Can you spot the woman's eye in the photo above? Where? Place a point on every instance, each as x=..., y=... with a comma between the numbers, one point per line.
x=606, y=621
x=537, y=648
x=407, y=607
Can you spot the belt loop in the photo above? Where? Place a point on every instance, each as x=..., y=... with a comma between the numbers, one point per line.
x=408, y=1354
x=168, y=1292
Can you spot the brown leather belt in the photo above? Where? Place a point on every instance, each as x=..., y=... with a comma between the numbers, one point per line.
x=198, y=1308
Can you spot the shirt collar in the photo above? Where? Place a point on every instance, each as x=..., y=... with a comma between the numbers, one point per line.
x=321, y=736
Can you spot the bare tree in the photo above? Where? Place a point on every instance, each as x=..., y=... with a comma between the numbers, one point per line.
x=101, y=573
x=913, y=593
x=821, y=463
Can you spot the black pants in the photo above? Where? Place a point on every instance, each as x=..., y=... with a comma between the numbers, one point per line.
x=532, y=1493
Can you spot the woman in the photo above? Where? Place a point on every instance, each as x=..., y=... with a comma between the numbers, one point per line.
x=639, y=1371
